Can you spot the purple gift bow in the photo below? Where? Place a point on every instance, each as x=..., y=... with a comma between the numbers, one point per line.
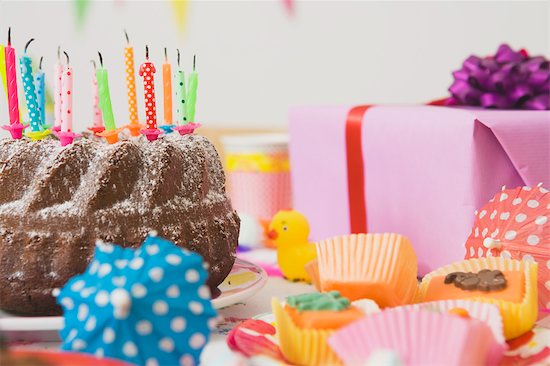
x=509, y=80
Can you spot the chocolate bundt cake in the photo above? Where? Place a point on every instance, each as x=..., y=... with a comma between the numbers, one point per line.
x=55, y=202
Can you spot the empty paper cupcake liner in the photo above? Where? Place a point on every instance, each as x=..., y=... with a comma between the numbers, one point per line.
x=418, y=338
x=517, y=318
x=382, y=267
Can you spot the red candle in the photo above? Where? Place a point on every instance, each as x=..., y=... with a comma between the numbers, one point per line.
x=147, y=71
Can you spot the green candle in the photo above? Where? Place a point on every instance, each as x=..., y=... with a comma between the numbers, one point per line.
x=192, y=94
x=105, y=97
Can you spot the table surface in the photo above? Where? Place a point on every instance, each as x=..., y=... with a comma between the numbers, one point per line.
x=217, y=352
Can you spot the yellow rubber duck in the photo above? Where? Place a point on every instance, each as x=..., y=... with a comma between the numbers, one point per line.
x=290, y=231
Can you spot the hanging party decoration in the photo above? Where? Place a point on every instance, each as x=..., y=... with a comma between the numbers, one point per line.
x=66, y=134
x=111, y=132
x=97, y=124
x=190, y=103
x=37, y=132
x=134, y=126
x=149, y=306
x=167, y=127
x=147, y=71
x=15, y=127
x=508, y=80
x=179, y=8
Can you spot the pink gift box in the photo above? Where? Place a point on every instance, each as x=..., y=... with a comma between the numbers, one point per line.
x=426, y=169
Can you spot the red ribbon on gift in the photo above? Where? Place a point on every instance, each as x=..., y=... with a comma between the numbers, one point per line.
x=356, y=174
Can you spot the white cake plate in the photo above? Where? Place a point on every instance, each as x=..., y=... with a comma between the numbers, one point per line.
x=244, y=281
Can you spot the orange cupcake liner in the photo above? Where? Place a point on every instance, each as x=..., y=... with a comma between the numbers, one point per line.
x=381, y=267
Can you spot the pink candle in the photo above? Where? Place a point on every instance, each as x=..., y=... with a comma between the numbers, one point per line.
x=147, y=71
x=67, y=98
x=98, y=119
x=11, y=77
x=58, y=71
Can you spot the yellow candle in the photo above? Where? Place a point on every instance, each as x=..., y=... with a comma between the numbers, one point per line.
x=167, y=84
x=3, y=69
x=131, y=83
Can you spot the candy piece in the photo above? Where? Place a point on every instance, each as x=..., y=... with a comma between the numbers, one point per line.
x=314, y=301
x=485, y=280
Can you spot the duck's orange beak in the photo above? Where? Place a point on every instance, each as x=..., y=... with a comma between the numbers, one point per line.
x=272, y=234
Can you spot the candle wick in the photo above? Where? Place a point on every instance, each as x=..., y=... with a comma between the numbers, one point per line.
x=9, y=36
x=40, y=64
x=67, y=56
x=28, y=43
x=194, y=59
x=93, y=63
x=146, y=52
x=100, y=59
x=165, y=55
x=127, y=38
x=58, y=53
x=177, y=49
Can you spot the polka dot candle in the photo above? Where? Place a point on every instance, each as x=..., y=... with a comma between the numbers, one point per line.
x=58, y=70
x=30, y=91
x=147, y=71
x=131, y=83
x=97, y=118
x=39, y=81
x=67, y=99
x=181, y=95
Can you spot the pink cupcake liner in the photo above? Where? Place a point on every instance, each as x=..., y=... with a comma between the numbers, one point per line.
x=418, y=337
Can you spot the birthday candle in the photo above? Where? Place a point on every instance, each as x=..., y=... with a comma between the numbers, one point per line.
x=41, y=93
x=167, y=89
x=105, y=96
x=67, y=97
x=30, y=91
x=11, y=80
x=97, y=119
x=192, y=94
x=147, y=71
x=3, y=68
x=180, y=94
x=131, y=82
x=58, y=71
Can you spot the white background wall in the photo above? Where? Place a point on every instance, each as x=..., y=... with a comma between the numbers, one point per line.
x=255, y=60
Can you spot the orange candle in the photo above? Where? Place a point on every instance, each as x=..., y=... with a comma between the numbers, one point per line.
x=167, y=84
x=131, y=85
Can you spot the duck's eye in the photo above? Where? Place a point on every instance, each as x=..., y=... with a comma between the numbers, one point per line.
x=285, y=228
